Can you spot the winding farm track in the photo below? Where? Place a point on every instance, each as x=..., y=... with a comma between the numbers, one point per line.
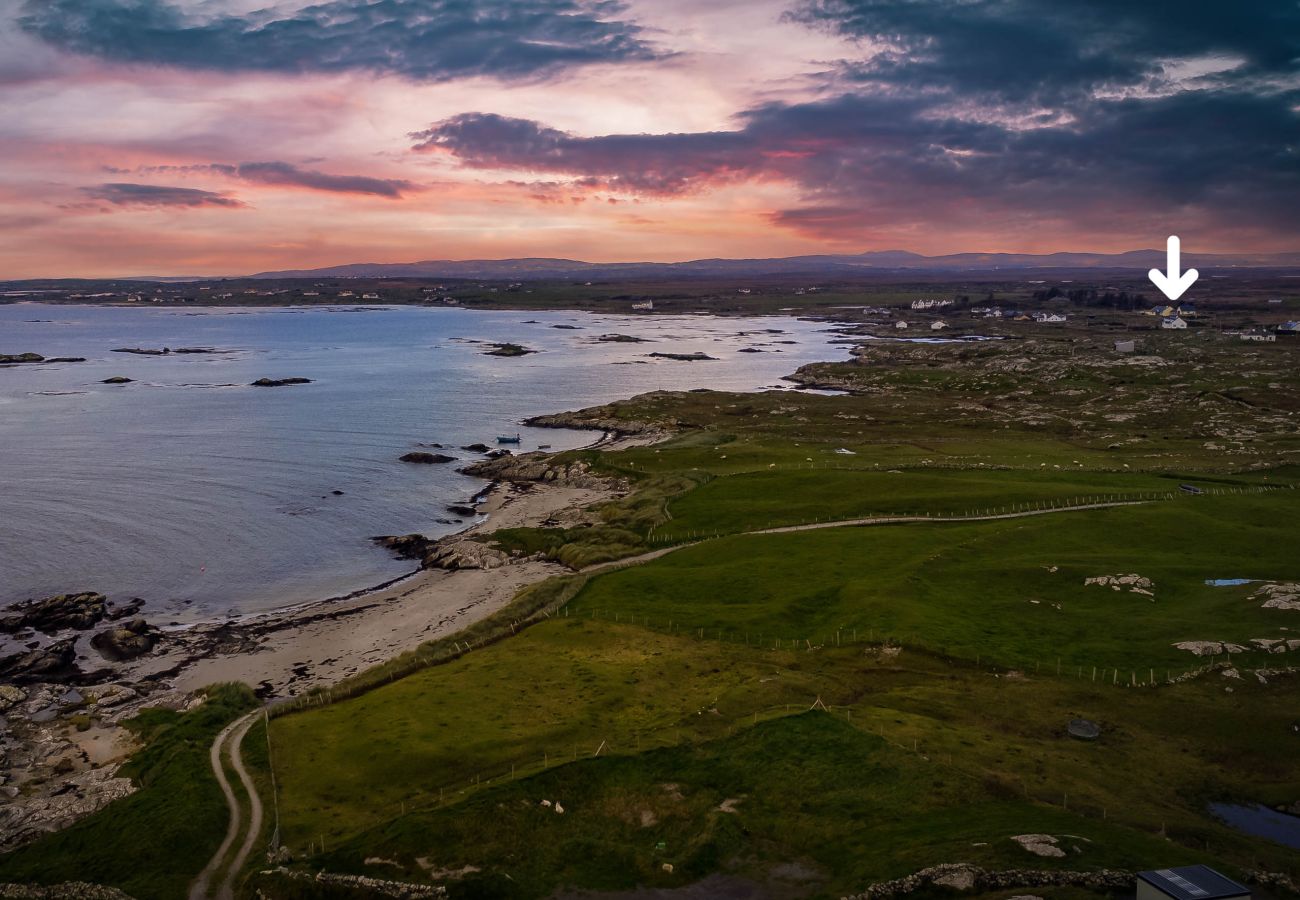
x=229, y=741
x=850, y=523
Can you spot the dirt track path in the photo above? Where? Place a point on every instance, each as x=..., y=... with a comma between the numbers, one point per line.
x=232, y=735
x=849, y=523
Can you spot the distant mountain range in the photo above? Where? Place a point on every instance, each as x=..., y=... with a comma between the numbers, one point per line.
x=542, y=268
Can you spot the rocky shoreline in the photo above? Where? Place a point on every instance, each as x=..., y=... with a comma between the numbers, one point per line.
x=81, y=665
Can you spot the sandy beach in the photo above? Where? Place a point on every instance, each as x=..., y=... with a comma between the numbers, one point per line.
x=285, y=653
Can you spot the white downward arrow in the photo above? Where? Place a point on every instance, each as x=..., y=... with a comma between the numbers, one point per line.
x=1173, y=285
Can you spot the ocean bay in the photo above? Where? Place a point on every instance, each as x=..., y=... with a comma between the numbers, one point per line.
x=209, y=497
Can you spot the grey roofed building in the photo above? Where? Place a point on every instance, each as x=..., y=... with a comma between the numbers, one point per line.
x=1188, y=883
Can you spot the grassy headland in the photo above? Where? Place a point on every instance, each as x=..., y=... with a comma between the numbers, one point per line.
x=851, y=704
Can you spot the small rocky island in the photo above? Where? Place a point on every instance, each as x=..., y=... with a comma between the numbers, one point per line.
x=508, y=349
x=117, y=379
x=682, y=357
x=14, y=359
x=623, y=339
x=279, y=382
x=423, y=457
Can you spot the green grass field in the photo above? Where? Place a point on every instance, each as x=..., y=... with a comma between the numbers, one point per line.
x=987, y=589
x=933, y=752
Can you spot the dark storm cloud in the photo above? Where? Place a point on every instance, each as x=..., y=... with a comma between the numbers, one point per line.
x=1035, y=51
x=153, y=195
x=649, y=164
x=424, y=40
x=1101, y=114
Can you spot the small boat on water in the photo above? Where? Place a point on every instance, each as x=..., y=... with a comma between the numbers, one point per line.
x=506, y=439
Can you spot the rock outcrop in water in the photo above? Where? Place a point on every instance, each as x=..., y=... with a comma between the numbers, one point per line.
x=117, y=379
x=14, y=359
x=65, y=612
x=423, y=457
x=623, y=339
x=682, y=357
x=508, y=349
x=279, y=382
x=165, y=351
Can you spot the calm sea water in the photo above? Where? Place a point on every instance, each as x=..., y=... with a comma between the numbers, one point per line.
x=208, y=497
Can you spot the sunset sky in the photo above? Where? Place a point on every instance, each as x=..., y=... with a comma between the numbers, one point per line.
x=162, y=137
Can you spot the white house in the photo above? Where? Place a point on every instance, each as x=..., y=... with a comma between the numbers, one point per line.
x=1042, y=317
x=900, y=325
x=938, y=326
x=369, y=296
x=1173, y=322
x=1125, y=346
x=647, y=305
x=1266, y=337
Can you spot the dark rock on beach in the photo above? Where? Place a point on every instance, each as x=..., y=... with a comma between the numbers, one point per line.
x=54, y=614
x=476, y=448
x=447, y=553
x=460, y=509
x=425, y=458
x=55, y=663
x=405, y=546
x=126, y=610
x=126, y=641
x=279, y=382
